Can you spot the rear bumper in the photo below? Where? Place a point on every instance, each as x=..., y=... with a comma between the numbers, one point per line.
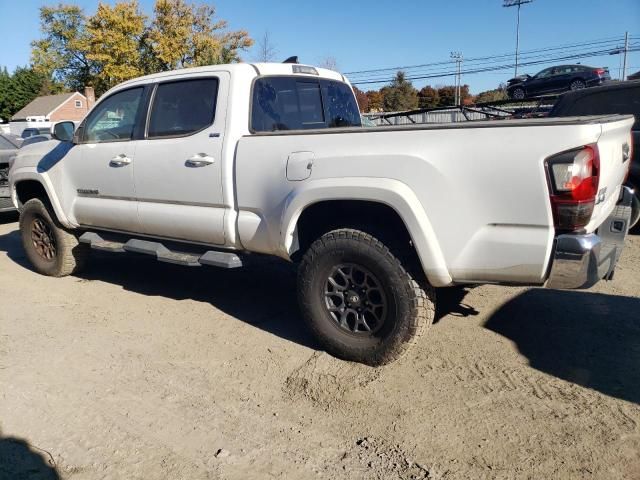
x=581, y=261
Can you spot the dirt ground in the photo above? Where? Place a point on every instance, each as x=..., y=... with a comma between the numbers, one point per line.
x=143, y=370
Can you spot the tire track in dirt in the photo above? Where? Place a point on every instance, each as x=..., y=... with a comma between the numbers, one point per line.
x=325, y=381
x=560, y=396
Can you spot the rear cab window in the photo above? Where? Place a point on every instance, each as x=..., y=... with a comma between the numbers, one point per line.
x=301, y=103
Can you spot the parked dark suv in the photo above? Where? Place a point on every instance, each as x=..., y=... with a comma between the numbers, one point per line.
x=615, y=97
x=557, y=79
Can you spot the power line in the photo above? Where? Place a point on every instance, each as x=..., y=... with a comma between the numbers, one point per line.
x=504, y=55
x=546, y=56
x=494, y=68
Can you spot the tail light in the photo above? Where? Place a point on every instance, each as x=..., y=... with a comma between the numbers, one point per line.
x=573, y=178
x=600, y=71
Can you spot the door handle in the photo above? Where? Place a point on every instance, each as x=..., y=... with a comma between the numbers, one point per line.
x=199, y=160
x=120, y=160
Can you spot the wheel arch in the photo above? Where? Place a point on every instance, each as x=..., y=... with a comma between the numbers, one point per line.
x=26, y=186
x=392, y=199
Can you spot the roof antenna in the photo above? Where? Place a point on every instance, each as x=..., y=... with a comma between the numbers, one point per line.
x=293, y=59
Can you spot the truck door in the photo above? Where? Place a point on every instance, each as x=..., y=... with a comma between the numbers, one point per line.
x=99, y=169
x=178, y=171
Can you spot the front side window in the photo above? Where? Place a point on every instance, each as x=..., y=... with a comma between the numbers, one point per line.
x=114, y=119
x=290, y=103
x=544, y=73
x=183, y=107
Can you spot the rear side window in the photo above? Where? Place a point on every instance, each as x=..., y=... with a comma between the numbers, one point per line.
x=290, y=103
x=183, y=107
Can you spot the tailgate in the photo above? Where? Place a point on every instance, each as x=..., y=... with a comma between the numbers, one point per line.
x=614, y=165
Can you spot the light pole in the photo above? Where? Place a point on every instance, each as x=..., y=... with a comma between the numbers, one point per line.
x=457, y=56
x=516, y=3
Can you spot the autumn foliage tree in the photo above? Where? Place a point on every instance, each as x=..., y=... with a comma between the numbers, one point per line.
x=119, y=42
x=362, y=99
x=428, y=97
x=376, y=101
x=400, y=95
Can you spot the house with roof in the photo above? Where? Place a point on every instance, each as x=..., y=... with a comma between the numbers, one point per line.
x=42, y=111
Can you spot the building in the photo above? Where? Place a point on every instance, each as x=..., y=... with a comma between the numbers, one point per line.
x=45, y=110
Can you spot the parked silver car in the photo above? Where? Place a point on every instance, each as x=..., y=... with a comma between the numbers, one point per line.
x=9, y=146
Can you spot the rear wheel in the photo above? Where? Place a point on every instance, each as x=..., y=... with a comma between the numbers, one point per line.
x=51, y=249
x=577, y=85
x=359, y=300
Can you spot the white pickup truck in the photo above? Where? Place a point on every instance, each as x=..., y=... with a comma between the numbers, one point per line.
x=205, y=166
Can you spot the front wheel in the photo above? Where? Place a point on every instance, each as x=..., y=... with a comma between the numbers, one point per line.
x=359, y=300
x=51, y=249
x=518, y=94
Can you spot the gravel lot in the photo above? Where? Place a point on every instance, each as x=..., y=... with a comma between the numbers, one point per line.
x=143, y=370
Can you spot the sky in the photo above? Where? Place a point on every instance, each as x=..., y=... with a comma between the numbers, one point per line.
x=363, y=35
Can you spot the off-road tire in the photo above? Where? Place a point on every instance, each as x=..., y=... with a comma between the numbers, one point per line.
x=411, y=301
x=70, y=255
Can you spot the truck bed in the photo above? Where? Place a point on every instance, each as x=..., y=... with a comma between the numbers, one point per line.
x=473, y=124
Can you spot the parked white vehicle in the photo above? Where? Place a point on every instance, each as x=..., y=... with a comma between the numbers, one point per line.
x=200, y=166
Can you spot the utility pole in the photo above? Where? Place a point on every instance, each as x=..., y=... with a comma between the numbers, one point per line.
x=516, y=3
x=624, y=58
x=457, y=57
x=622, y=69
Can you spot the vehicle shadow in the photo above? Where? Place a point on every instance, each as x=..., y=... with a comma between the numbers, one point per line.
x=590, y=339
x=449, y=301
x=263, y=293
x=19, y=460
x=8, y=217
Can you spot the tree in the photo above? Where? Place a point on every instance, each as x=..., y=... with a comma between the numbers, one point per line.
x=185, y=35
x=112, y=43
x=5, y=88
x=400, y=95
x=376, y=101
x=447, y=95
x=428, y=97
x=330, y=63
x=491, y=95
x=267, y=52
x=61, y=52
x=362, y=99
x=118, y=43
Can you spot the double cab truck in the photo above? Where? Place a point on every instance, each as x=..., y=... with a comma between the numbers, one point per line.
x=211, y=165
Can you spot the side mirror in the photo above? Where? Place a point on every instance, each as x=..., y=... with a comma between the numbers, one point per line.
x=63, y=131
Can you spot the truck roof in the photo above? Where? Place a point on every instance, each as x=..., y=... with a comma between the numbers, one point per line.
x=250, y=69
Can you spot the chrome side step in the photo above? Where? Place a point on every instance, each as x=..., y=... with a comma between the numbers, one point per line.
x=162, y=253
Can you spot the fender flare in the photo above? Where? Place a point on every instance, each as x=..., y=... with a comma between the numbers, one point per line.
x=393, y=193
x=21, y=175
